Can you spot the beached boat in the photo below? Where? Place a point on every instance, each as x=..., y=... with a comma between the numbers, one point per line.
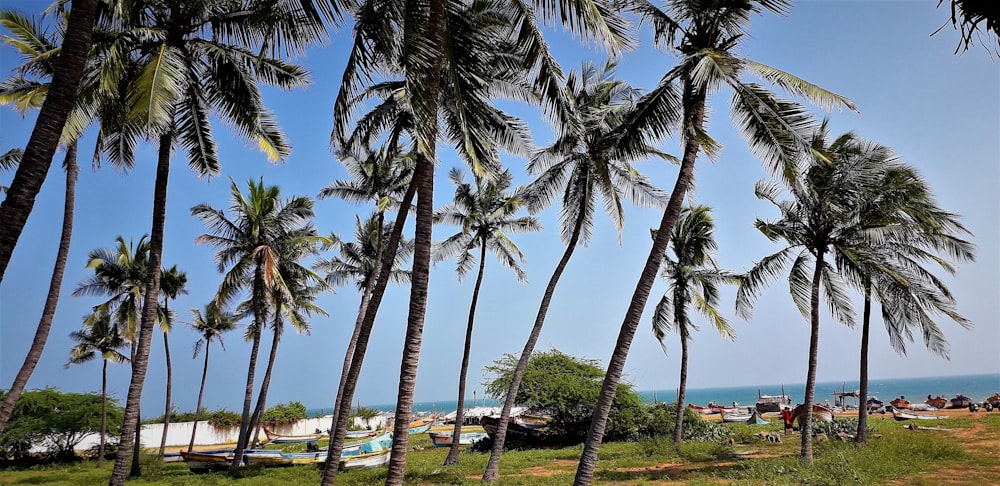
x=901, y=415
x=270, y=458
x=937, y=402
x=820, y=413
x=873, y=404
x=366, y=461
x=291, y=439
x=960, y=401
x=756, y=419
x=721, y=409
x=735, y=417
x=700, y=409
x=923, y=407
x=773, y=403
x=421, y=428
x=514, y=429
x=444, y=439
x=994, y=400
x=900, y=403
x=534, y=421
x=360, y=434
x=208, y=461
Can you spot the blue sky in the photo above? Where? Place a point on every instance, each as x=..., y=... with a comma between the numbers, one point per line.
x=940, y=111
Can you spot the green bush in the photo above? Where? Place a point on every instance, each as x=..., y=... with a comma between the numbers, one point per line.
x=56, y=421
x=284, y=413
x=222, y=418
x=662, y=417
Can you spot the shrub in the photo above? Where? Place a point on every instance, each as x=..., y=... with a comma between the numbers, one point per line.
x=222, y=418
x=284, y=413
x=661, y=418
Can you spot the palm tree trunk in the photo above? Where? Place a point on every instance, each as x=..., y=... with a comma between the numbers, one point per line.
x=166, y=412
x=37, y=158
x=201, y=393
x=149, y=305
x=805, y=420
x=52, y=299
x=104, y=412
x=862, y=436
x=682, y=387
x=262, y=395
x=452, y=458
x=694, y=103
x=241, y=442
x=493, y=466
x=415, y=322
x=343, y=406
x=135, y=470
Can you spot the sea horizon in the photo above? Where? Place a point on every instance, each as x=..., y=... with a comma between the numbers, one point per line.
x=977, y=387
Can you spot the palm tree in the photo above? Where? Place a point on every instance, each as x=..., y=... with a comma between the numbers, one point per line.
x=173, y=282
x=448, y=65
x=485, y=214
x=294, y=303
x=252, y=241
x=693, y=278
x=821, y=220
x=966, y=15
x=100, y=337
x=189, y=59
x=211, y=324
x=52, y=116
x=581, y=165
x=381, y=176
x=706, y=35
x=37, y=47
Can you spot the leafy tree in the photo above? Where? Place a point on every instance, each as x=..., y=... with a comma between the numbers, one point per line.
x=285, y=413
x=101, y=337
x=255, y=241
x=56, y=421
x=581, y=165
x=706, y=37
x=211, y=325
x=693, y=280
x=566, y=388
x=485, y=214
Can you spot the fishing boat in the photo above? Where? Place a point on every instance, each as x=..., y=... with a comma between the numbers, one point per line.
x=937, y=402
x=721, y=409
x=873, y=404
x=820, y=413
x=901, y=415
x=421, y=426
x=291, y=439
x=994, y=400
x=773, y=403
x=900, y=403
x=534, y=421
x=360, y=434
x=700, y=409
x=960, y=401
x=444, y=439
x=366, y=461
x=208, y=461
x=270, y=458
x=756, y=419
x=736, y=417
x=514, y=429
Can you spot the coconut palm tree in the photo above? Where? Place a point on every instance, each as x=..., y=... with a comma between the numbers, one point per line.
x=581, y=165
x=820, y=220
x=27, y=90
x=252, y=241
x=45, y=138
x=211, y=324
x=186, y=60
x=100, y=337
x=296, y=306
x=693, y=279
x=966, y=17
x=486, y=215
x=706, y=35
x=382, y=177
x=173, y=282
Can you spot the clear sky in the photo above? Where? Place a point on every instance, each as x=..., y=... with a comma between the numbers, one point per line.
x=940, y=111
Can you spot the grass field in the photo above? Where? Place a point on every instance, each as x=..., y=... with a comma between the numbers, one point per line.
x=967, y=453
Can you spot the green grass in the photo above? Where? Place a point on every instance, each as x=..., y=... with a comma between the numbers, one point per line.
x=899, y=453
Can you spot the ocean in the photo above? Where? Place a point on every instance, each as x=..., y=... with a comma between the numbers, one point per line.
x=976, y=387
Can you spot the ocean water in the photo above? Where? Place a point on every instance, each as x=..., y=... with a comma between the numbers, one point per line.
x=976, y=387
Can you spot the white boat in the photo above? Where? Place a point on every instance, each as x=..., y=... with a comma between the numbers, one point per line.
x=736, y=417
x=901, y=415
x=444, y=439
x=366, y=461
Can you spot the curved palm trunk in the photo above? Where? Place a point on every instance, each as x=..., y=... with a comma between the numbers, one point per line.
x=37, y=158
x=141, y=362
x=418, y=308
x=452, y=458
x=265, y=384
x=241, y=443
x=862, y=435
x=493, y=466
x=166, y=413
x=201, y=393
x=343, y=406
x=805, y=420
x=682, y=387
x=52, y=299
x=694, y=103
x=104, y=412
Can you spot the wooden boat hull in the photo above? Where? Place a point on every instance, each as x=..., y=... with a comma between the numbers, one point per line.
x=366, y=461
x=901, y=415
x=360, y=434
x=202, y=462
x=961, y=401
x=994, y=400
x=444, y=439
x=937, y=402
x=514, y=429
x=736, y=417
x=900, y=404
x=278, y=458
x=291, y=439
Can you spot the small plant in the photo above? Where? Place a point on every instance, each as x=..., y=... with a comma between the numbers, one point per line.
x=223, y=419
x=284, y=413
